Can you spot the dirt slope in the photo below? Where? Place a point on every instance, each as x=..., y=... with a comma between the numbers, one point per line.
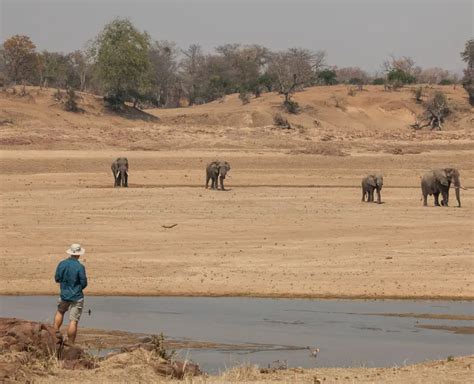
x=329, y=118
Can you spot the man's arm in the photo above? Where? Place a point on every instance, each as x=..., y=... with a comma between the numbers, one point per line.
x=58, y=274
x=83, y=277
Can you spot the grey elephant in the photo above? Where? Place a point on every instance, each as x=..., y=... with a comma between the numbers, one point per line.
x=370, y=183
x=438, y=181
x=216, y=172
x=120, y=171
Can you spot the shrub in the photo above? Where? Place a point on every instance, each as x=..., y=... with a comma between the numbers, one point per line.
x=446, y=82
x=71, y=105
x=378, y=81
x=328, y=77
x=291, y=106
x=400, y=76
x=244, y=97
x=418, y=94
x=280, y=122
x=351, y=92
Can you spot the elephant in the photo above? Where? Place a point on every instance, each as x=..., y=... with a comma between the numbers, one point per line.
x=370, y=183
x=120, y=171
x=216, y=171
x=438, y=181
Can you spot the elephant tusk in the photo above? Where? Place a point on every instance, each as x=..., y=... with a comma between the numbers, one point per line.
x=459, y=187
x=117, y=175
x=126, y=172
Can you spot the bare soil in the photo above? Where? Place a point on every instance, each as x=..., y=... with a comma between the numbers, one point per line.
x=289, y=226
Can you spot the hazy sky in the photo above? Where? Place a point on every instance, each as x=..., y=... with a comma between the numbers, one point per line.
x=352, y=32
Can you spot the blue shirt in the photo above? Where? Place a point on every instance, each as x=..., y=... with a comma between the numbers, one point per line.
x=72, y=278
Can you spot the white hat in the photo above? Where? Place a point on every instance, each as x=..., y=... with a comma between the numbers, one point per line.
x=76, y=250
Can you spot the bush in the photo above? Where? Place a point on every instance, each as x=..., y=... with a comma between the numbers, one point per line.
x=446, y=82
x=291, y=106
x=71, y=105
x=418, y=94
x=356, y=81
x=400, y=76
x=328, y=77
x=244, y=97
x=351, y=92
x=113, y=102
x=280, y=122
x=378, y=81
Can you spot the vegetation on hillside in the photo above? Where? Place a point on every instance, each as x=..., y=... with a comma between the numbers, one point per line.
x=126, y=64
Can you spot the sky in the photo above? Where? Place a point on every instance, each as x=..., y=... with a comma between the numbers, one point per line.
x=352, y=32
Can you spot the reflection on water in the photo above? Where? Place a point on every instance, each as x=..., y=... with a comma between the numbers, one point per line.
x=348, y=332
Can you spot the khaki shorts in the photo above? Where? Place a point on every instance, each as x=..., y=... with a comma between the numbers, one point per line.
x=74, y=307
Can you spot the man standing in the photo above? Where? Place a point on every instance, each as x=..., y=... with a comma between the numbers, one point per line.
x=71, y=275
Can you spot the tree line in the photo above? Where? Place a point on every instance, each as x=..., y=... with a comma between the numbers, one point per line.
x=126, y=65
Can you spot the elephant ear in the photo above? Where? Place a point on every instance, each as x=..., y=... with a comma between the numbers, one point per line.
x=440, y=175
x=371, y=181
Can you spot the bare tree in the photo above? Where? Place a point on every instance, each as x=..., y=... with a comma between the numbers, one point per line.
x=435, y=76
x=295, y=68
x=192, y=71
x=404, y=63
x=351, y=74
x=436, y=110
x=164, y=62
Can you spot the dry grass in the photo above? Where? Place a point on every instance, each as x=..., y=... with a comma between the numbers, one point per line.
x=454, y=370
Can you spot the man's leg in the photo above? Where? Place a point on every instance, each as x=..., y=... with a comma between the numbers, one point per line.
x=58, y=320
x=63, y=306
x=75, y=312
x=72, y=331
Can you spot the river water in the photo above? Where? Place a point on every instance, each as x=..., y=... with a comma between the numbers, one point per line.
x=348, y=332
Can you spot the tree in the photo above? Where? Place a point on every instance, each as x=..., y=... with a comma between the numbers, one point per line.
x=20, y=58
x=436, y=76
x=164, y=64
x=123, y=62
x=404, y=64
x=399, y=76
x=352, y=75
x=436, y=110
x=295, y=68
x=53, y=69
x=328, y=76
x=193, y=72
x=468, y=79
x=80, y=69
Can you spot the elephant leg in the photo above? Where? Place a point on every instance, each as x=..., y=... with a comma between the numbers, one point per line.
x=425, y=200
x=379, y=200
x=126, y=181
x=222, y=183
x=436, y=198
x=208, y=177
x=371, y=195
x=444, y=202
x=363, y=195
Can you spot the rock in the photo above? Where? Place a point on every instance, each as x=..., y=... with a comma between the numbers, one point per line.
x=34, y=340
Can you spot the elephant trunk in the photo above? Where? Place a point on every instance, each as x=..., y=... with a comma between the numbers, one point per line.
x=457, y=187
x=458, y=195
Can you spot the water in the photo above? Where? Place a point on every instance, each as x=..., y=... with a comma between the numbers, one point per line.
x=348, y=332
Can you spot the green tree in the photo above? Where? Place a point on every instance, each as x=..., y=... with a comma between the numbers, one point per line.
x=327, y=77
x=20, y=58
x=399, y=76
x=123, y=62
